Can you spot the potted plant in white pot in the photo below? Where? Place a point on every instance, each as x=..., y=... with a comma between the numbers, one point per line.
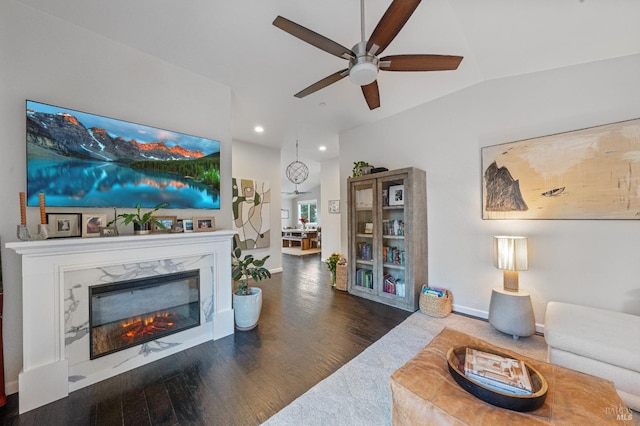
x=142, y=223
x=247, y=301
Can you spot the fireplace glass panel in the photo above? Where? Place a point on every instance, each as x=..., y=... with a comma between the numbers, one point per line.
x=130, y=313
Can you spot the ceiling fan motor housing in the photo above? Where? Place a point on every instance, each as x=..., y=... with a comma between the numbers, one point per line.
x=363, y=69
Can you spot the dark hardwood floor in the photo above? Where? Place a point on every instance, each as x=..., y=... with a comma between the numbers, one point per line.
x=307, y=331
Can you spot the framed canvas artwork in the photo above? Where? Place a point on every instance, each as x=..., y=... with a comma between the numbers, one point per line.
x=251, y=205
x=591, y=173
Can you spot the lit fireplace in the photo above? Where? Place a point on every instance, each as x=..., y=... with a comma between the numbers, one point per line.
x=129, y=313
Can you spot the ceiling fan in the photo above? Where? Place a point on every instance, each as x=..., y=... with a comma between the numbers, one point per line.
x=364, y=62
x=295, y=192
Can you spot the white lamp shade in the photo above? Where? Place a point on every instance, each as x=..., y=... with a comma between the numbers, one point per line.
x=510, y=253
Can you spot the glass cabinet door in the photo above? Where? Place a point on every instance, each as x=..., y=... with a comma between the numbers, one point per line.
x=392, y=237
x=363, y=219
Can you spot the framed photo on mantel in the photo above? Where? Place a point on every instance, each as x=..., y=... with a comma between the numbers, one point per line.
x=63, y=225
x=204, y=224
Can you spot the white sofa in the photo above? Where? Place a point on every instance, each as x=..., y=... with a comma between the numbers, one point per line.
x=597, y=342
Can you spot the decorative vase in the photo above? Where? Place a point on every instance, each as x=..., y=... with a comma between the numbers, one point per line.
x=141, y=228
x=333, y=278
x=247, y=309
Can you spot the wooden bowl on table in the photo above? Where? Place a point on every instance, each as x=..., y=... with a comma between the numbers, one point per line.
x=527, y=402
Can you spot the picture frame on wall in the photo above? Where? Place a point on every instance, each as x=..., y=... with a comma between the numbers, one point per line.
x=204, y=224
x=91, y=224
x=334, y=206
x=64, y=225
x=187, y=225
x=396, y=195
x=168, y=221
x=581, y=174
x=284, y=214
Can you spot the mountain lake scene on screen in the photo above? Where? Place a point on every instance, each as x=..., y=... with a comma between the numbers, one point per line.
x=83, y=160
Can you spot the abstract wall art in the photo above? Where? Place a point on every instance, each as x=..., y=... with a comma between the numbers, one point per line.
x=591, y=173
x=251, y=201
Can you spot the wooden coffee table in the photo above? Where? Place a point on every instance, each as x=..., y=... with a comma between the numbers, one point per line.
x=423, y=392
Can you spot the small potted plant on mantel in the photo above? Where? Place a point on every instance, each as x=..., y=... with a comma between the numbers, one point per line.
x=247, y=301
x=142, y=223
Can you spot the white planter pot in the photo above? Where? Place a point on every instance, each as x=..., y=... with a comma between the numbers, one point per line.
x=247, y=309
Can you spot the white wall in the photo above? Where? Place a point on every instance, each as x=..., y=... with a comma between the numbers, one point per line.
x=588, y=262
x=288, y=204
x=255, y=162
x=47, y=60
x=330, y=190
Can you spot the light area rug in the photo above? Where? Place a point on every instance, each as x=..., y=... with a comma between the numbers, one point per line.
x=297, y=251
x=359, y=392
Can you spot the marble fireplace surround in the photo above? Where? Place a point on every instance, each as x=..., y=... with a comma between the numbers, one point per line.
x=56, y=276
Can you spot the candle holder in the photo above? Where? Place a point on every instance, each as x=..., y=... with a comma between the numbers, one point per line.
x=25, y=235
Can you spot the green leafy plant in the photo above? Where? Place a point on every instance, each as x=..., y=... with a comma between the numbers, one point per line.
x=332, y=261
x=243, y=269
x=357, y=167
x=139, y=218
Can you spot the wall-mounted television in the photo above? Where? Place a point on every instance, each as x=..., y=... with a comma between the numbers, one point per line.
x=79, y=159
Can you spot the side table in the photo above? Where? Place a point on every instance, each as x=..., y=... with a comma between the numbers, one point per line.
x=511, y=312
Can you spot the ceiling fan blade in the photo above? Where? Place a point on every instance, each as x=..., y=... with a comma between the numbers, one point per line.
x=313, y=38
x=420, y=62
x=372, y=94
x=390, y=24
x=323, y=83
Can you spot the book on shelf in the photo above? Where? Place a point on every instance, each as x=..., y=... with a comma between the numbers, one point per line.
x=497, y=372
x=393, y=227
x=365, y=251
x=364, y=278
x=393, y=255
x=393, y=285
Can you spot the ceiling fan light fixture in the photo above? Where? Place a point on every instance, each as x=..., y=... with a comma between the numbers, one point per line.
x=363, y=73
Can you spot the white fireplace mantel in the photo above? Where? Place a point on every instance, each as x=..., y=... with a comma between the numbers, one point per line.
x=52, y=270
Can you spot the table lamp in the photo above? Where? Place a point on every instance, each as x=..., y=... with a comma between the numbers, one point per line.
x=510, y=255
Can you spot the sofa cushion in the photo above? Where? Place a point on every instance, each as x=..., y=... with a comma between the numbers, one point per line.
x=612, y=337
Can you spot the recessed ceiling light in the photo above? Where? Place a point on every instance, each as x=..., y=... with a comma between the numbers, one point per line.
x=322, y=148
x=258, y=129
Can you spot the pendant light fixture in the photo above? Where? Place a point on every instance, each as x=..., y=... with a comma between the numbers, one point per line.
x=297, y=171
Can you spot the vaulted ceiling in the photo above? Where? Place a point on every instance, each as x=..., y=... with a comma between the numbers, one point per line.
x=235, y=43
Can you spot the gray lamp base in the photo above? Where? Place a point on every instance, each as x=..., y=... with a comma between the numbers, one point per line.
x=511, y=312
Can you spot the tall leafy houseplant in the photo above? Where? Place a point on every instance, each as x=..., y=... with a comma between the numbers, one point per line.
x=141, y=221
x=246, y=268
x=247, y=301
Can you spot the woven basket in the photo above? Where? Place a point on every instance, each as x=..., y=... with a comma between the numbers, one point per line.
x=438, y=307
x=341, y=277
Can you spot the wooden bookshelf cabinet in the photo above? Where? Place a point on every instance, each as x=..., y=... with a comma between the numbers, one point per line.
x=387, y=232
